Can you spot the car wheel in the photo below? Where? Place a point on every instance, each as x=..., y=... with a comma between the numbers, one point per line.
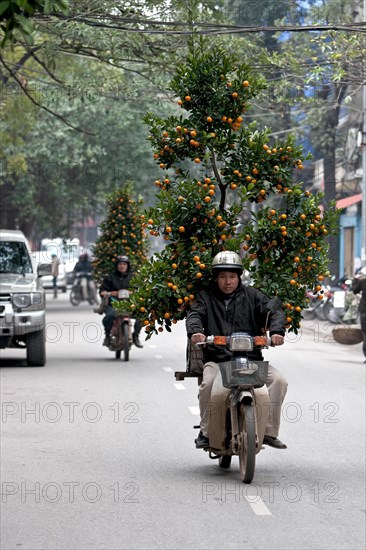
x=36, y=348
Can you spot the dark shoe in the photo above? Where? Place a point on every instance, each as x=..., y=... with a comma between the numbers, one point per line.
x=136, y=341
x=273, y=442
x=201, y=441
x=107, y=341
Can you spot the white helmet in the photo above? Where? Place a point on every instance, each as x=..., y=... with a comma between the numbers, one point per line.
x=227, y=261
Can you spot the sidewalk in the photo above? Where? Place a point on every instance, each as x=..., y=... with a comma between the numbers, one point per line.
x=322, y=331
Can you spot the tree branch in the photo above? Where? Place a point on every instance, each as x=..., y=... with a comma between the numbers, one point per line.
x=53, y=113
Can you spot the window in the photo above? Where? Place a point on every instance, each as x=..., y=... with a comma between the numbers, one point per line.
x=14, y=258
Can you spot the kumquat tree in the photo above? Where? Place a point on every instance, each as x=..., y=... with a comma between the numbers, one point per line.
x=122, y=233
x=246, y=197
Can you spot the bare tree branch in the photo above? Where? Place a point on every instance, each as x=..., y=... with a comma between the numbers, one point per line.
x=53, y=113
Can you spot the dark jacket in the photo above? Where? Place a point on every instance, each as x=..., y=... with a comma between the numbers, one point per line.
x=83, y=266
x=116, y=281
x=246, y=312
x=359, y=285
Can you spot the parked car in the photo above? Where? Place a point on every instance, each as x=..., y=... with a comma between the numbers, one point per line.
x=22, y=299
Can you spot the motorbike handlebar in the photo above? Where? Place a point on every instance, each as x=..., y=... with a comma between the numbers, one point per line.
x=238, y=342
x=258, y=341
x=83, y=273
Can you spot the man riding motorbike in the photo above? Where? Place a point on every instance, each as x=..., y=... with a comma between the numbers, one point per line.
x=117, y=280
x=228, y=306
x=84, y=268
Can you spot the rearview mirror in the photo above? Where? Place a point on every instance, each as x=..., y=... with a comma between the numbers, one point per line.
x=44, y=269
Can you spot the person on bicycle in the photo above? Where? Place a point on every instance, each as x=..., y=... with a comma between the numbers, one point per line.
x=228, y=306
x=117, y=280
x=83, y=272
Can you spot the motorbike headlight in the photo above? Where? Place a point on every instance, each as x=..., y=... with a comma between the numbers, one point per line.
x=241, y=342
x=22, y=300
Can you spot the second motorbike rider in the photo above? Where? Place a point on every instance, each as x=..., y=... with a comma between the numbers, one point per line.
x=83, y=268
x=117, y=280
x=226, y=307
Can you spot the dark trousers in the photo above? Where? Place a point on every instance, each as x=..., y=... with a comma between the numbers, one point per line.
x=363, y=328
x=109, y=318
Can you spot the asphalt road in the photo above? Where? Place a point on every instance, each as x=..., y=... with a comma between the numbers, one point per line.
x=98, y=453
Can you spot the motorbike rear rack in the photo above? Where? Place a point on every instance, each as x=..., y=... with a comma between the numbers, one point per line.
x=181, y=375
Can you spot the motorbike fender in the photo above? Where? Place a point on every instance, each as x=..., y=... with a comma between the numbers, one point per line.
x=246, y=397
x=218, y=407
x=258, y=397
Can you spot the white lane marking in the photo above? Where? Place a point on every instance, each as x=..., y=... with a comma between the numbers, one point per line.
x=179, y=386
x=158, y=356
x=194, y=410
x=258, y=506
x=168, y=369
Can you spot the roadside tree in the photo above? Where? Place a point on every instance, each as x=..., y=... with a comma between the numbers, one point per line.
x=122, y=233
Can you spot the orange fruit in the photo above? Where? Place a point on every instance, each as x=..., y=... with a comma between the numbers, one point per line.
x=181, y=229
x=246, y=84
x=188, y=98
x=166, y=315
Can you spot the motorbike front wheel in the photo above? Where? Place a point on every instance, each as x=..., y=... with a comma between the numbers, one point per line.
x=75, y=297
x=247, y=449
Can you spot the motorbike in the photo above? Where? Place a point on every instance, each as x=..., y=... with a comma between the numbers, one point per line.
x=83, y=289
x=121, y=331
x=239, y=404
x=325, y=309
x=344, y=307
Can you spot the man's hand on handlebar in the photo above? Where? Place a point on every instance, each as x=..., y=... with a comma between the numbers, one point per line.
x=198, y=338
x=277, y=340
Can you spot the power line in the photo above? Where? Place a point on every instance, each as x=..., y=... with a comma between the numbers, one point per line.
x=200, y=28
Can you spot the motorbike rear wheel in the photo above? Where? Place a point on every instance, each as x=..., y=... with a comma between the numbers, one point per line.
x=247, y=449
x=75, y=296
x=126, y=343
